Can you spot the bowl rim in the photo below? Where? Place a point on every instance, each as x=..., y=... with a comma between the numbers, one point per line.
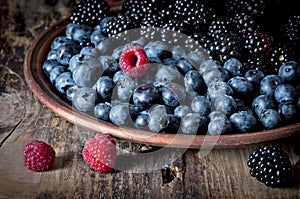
x=47, y=95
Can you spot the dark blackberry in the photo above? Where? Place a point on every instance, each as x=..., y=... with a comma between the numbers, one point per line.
x=291, y=30
x=176, y=25
x=257, y=63
x=219, y=27
x=90, y=12
x=120, y=23
x=280, y=54
x=250, y=7
x=271, y=166
x=245, y=24
x=152, y=20
x=259, y=44
x=225, y=47
x=134, y=9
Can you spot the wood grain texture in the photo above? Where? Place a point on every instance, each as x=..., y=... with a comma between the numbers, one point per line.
x=141, y=171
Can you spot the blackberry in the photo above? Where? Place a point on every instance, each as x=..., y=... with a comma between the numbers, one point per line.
x=257, y=63
x=245, y=24
x=225, y=47
x=291, y=30
x=176, y=25
x=134, y=9
x=270, y=165
x=90, y=12
x=250, y=7
x=259, y=44
x=152, y=20
x=280, y=54
x=120, y=23
x=219, y=27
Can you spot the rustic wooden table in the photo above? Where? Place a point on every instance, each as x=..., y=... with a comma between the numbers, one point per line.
x=175, y=173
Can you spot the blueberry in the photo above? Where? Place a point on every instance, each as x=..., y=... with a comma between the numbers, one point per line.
x=201, y=105
x=184, y=66
x=146, y=95
x=234, y=66
x=112, y=69
x=120, y=114
x=103, y=23
x=52, y=54
x=287, y=111
x=216, y=115
x=69, y=30
x=63, y=82
x=173, y=94
x=117, y=76
x=158, y=118
x=102, y=111
x=219, y=126
x=167, y=74
x=125, y=88
x=285, y=92
x=212, y=75
x=71, y=92
x=269, y=83
x=65, y=52
x=75, y=61
x=157, y=49
x=243, y=121
x=193, y=124
x=242, y=106
x=85, y=99
x=254, y=76
x=142, y=120
x=241, y=87
x=97, y=37
x=87, y=73
x=182, y=110
x=193, y=81
x=88, y=51
x=262, y=103
x=289, y=72
x=217, y=89
x=61, y=40
x=104, y=87
x=225, y=104
x=48, y=65
x=269, y=118
x=173, y=124
x=81, y=33
x=55, y=72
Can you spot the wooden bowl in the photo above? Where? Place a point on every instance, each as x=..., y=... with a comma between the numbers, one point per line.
x=47, y=94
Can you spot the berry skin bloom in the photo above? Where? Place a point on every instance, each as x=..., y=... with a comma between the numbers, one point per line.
x=38, y=156
x=100, y=153
x=134, y=61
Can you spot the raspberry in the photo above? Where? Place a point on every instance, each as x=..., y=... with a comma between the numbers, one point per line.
x=100, y=153
x=38, y=156
x=134, y=61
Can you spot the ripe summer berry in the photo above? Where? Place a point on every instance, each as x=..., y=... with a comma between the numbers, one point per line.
x=100, y=153
x=270, y=165
x=38, y=156
x=134, y=61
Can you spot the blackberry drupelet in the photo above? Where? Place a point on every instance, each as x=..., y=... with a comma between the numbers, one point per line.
x=120, y=23
x=90, y=12
x=259, y=44
x=271, y=166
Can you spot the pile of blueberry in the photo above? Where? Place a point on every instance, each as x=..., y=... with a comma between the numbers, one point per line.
x=151, y=84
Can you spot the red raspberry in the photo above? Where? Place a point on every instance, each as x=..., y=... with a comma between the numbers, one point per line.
x=100, y=153
x=38, y=156
x=134, y=61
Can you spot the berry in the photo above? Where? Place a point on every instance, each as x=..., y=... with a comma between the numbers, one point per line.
x=85, y=99
x=262, y=103
x=38, y=156
x=219, y=126
x=100, y=153
x=285, y=93
x=144, y=96
x=270, y=165
x=292, y=30
x=193, y=124
x=225, y=104
x=63, y=82
x=241, y=86
x=104, y=87
x=269, y=118
x=254, y=76
x=289, y=72
x=90, y=12
x=102, y=111
x=234, y=66
x=119, y=24
x=173, y=94
x=243, y=121
x=201, y=105
x=269, y=83
x=259, y=44
x=120, y=114
x=279, y=55
x=134, y=61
